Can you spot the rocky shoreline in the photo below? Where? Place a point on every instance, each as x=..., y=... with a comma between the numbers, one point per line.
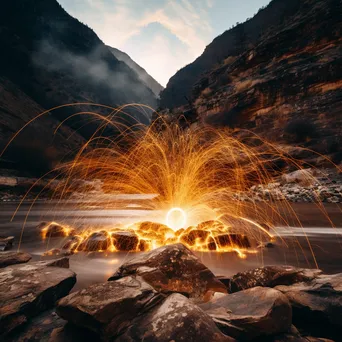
x=305, y=185
x=167, y=295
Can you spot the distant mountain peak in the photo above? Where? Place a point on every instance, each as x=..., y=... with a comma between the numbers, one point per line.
x=141, y=72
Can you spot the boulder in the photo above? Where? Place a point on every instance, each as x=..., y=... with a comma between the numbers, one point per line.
x=270, y=276
x=175, y=319
x=53, y=229
x=195, y=236
x=72, y=244
x=6, y=243
x=232, y=240
x=125, y=241
x=98, y=241
x=317, y=305
x=107, y=309
x=251, y=314
x=172, y=268
x=12, y=258
x=26, y=290
x=49, y=327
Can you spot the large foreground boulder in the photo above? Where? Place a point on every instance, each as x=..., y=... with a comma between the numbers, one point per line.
x=107, y=309
x=317, y=305
x=26, y=290
x=12, y=258
x=176, y=319
x=269, y=276
x=250, y=314
x=173, y=268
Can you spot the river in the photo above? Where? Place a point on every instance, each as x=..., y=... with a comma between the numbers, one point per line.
x=292, y=247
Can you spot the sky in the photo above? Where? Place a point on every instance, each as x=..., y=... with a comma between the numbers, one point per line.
x=162, y=36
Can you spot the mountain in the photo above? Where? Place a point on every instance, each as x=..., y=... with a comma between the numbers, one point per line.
x=142, y=74
x=48, y=59
x=234, y=42
x=278, y=75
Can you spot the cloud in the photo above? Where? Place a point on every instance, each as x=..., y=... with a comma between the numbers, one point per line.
x=118, y=21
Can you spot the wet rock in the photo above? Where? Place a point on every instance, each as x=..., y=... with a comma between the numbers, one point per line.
x=72, y=244
x=98, y=241
x=125, y=241
x=12, y=258
x=172, y=268
x=26, y=290
x=144, y=245
x=53, y=252
x=271, y=276
x=250, y=314
x=317, y=305
x=212, y=226
x=232, y=240
x=176, y=319
x=6, y=243
x=195, y=236
x=107, y=309
x=53, y=229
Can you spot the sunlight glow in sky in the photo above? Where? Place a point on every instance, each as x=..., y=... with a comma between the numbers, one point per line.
x=162, y=36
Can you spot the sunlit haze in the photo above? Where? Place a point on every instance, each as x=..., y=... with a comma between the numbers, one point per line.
x=161, y=35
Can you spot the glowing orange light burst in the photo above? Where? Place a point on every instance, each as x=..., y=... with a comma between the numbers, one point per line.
x=200, y=172
x=176, y=218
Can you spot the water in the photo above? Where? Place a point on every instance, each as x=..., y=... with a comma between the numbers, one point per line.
x=292, y=247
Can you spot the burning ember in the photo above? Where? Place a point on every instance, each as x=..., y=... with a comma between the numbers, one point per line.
x=144, y=236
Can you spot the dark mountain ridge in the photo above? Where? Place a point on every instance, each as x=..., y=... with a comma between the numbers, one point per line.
x=232, y=42
x=286, y=87
x=52, y=59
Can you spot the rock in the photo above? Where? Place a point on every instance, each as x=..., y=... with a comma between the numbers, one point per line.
x=304, y=177
x=317, y=305
x=53, y=252
x=49, y=327
x=271, y=276
x=98, y=241
x=26, y=290
x=53, y=229
x=172, y=268
x=267, y=244
x=6, y=243
x=61, y=262
x=195, y=236
x=125, y=241
x=12, y=258
x=144, y=245
x=250, y=314
x=232, y=240
x=72, y=244
x=176, y=319
x=108, y=308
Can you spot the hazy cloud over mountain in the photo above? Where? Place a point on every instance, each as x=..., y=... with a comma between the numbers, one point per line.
x=161, y=35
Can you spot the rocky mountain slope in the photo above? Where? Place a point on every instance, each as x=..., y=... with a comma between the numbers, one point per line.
x=281, y=78
x=143, y=75
x=48, y=59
